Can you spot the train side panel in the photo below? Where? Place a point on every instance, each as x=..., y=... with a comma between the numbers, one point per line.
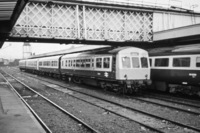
x=22, y=65
x=89, y=66
x=32, y=65
x=171, y=70
x=49, y=65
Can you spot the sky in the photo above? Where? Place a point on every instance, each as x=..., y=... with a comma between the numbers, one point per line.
x=12, y=50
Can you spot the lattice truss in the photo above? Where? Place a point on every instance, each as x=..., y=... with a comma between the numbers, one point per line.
x=40, y=20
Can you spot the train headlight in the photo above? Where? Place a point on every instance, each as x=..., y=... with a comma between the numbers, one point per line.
x=128, y=82
x=149, y=82
x=140, y=82
x=184, y=83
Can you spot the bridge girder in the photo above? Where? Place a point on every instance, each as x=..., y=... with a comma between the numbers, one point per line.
x=72, y=21
x=78, y=21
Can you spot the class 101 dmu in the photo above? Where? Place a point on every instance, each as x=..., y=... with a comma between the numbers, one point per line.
x=122, y=69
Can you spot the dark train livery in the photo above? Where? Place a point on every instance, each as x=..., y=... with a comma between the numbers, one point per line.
x=122, y=69
x=176, y=71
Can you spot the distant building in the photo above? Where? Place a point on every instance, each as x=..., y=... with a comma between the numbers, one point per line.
x=1, y=62
x=26, y=50
x=6, y=62
x=15, y=62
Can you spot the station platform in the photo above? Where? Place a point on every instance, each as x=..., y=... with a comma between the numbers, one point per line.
x=15, y=117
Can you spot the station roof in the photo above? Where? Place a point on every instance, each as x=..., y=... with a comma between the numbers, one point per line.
x=178, y=36
x=9, y=13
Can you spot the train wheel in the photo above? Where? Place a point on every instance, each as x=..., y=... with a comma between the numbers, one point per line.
x=125, y=89
x=198, y=93
x=130, y=91
x=76, y=80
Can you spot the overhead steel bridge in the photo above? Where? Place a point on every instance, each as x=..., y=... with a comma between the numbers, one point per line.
x=77, y=21
x=73, y=21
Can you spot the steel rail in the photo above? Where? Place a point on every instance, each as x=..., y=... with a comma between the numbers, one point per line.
x=142, y=112
x=149, y=127
x=170, y=95
x=57, y=106
x=177, y=102
x=127, y=107
x=45, y=127
x=172, y=101
x=168, y=106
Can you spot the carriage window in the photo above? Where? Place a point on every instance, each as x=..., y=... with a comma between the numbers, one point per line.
x=56, y=63
x=87, y=63
x=181, y=62
x=92, y=62
x=106, y=62
x=98, y=62
x=66, y=63
x=71, y=63
x=150, y=61
x=135, y=62
x=82, y=63
x=77, y=63
x=74, y=63
x=49, y=63
x=126, y=62
x=198, y=62
x=144, y=62
x=162, y=62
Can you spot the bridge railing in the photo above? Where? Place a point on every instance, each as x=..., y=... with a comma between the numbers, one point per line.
x=142, y=3
x=83, y=22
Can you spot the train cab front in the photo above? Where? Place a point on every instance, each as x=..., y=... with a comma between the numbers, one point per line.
x=133, y=72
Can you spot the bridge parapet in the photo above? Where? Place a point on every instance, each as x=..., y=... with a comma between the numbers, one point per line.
x=72, y=21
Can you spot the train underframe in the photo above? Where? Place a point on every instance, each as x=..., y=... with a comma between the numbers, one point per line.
x=119, y=86
x=184, y=89
x=123, y=86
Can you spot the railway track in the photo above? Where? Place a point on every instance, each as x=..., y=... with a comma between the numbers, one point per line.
x=160, y=119
x=177, y=100
x=172, y=104
x=29, y=95
x=188, y=108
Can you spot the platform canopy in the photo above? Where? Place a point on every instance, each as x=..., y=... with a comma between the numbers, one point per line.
x=10, y=10
x=178, y=36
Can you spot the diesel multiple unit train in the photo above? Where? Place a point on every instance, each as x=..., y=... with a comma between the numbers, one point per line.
x=176, y=71
x=123, y=69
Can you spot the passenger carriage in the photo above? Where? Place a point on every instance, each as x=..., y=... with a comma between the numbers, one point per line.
x=49, y=66
x=22, y=65
x=124, y=68
x=176, y=71
x=121, y=69
x=32, y=65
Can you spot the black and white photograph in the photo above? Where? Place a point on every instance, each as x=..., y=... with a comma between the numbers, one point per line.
x=99, y=66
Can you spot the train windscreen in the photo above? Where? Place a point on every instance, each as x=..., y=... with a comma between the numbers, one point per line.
x=144, y=62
